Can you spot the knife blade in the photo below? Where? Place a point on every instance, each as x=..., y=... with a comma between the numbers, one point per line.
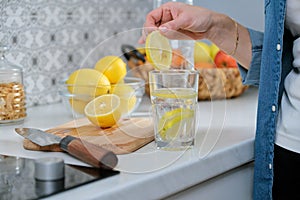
x=83, y=150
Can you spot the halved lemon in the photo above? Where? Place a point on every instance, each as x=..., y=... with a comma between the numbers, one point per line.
x=104, y=111
x=158, y=51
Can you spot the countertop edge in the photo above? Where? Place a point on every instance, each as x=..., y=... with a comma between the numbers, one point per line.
x=167, y=182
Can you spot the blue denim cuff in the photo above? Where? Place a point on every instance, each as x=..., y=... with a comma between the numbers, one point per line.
x=251, y=76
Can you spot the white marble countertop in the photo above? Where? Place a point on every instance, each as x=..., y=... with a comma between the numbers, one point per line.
x=224, y=141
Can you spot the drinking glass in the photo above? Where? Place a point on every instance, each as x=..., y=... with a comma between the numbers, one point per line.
x=174, y=96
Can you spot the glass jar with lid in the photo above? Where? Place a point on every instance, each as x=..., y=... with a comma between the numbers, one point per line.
x=12, y=92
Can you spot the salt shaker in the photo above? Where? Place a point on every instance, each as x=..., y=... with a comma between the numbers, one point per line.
x=12, y=92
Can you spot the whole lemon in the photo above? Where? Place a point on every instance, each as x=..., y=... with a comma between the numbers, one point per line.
x=113, y=67
x=78, y=104
x=127, y=96
x=87, y=81
x=202, y=52
x=214, y=49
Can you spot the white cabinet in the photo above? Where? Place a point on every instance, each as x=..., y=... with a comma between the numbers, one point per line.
x=235, y=184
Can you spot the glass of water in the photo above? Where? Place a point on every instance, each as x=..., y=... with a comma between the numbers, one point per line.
x=174, y=97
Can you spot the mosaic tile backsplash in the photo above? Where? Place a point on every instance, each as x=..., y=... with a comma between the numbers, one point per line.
x=50, y=39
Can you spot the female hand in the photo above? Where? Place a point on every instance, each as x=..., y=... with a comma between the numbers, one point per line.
x=182, y=21
x=179, y=21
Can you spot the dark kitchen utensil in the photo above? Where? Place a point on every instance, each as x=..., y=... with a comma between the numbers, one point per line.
x=83, y=150
x=131, y=52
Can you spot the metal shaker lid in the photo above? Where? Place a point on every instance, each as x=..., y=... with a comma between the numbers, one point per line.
x=49, y=169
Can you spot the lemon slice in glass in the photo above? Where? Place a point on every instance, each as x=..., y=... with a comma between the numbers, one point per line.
x=158, y=51
x=174, y=122
x=175, y=93
x=104, y=111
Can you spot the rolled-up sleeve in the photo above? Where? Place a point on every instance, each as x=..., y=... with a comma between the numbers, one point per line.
x=251, y=76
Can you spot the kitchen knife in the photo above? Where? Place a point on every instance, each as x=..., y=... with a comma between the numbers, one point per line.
x=83, y=150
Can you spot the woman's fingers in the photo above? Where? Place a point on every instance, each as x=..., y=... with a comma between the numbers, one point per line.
x=145, y=32
x=177, y=21
x=154, y=20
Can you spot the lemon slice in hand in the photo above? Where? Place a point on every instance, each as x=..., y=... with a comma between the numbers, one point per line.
x=104, y=111
x=174, y=122
x=158, y=51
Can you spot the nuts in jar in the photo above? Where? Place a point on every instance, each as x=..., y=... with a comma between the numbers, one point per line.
x=12, y=101
x=12, y=94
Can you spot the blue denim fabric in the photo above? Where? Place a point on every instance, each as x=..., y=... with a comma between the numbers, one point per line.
x=269, y=66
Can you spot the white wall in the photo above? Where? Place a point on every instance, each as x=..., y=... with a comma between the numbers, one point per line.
x=249, y=13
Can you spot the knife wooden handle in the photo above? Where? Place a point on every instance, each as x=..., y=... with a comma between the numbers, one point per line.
x=88, y=152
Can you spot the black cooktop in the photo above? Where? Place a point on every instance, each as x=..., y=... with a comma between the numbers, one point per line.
x=17, y=179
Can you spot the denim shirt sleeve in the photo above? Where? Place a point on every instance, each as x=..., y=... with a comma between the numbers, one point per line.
x=251, y=76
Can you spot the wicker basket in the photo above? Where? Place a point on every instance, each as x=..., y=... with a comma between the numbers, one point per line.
x=220, y=83
x=214, y=83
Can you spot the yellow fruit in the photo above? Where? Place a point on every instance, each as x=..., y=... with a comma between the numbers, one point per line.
x=172, y=122
x=127, y=96
x=104, y=111
x=158, y=51
x=89, y=82
x=78, y=105
x=214, y=49
x=120, y=81
x=113, y=67
x=176, y=93
x=202, y=52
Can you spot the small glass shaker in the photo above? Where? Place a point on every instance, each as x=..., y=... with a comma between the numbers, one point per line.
x=12, y=92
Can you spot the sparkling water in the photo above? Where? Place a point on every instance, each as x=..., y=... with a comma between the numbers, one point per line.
x=174, y=111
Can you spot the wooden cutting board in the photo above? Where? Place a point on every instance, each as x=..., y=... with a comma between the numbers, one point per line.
x=125, y=137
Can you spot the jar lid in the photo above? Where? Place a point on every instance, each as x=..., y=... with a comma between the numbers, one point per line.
x=49, y=169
